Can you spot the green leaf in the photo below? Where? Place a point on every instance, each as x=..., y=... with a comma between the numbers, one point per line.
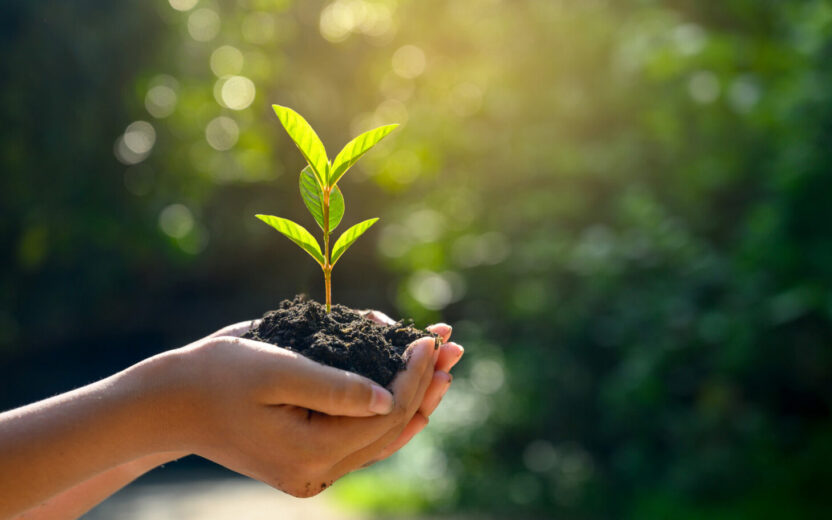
x=355, y=149
x=297, y=234
x=313, y=197
x=350, y=236
x=306, y=140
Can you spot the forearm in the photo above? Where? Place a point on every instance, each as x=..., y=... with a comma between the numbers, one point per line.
x=77, y=500
x=50, y=446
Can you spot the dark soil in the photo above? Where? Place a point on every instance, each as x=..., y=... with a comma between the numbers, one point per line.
x=342, y=338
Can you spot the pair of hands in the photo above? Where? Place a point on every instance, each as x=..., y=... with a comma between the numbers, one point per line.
x=257, y=409
x=254, y=401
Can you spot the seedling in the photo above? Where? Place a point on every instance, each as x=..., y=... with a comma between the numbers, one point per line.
x=320, y=191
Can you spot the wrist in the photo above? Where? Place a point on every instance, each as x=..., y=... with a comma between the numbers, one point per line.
x=163, y=389
x=138, y=467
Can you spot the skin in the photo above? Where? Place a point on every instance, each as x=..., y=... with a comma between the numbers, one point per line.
x=223, y=398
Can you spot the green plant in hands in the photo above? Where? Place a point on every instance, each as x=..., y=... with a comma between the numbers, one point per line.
x=320, y=192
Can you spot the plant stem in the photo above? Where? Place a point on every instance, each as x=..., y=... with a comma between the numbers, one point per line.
x=328, y=283
x=327, y=265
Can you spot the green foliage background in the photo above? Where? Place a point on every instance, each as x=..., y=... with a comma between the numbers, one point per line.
x=623, y=207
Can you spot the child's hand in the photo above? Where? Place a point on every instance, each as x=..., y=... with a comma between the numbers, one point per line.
x=246, y=405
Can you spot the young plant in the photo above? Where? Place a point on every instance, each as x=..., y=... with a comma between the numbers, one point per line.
x=320, y=191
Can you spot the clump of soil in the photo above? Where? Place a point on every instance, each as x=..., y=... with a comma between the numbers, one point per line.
x=342, y=338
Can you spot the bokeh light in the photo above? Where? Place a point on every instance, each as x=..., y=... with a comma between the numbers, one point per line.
x=160, y=101
x=203, y=24
x=540, y=456
x=226, y=61
x=236, y=92
x=744, y=94
x=487, y=376
x=136, y=143
x=436, y=290
x=161, y=98
x=690, y=39
x=140, y=137
x=222, y=133
x=409, y=61
x=704, y=87
x=344, y=17
x=176, y=221
x=183, y=5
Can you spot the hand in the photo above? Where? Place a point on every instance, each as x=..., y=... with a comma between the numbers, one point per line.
x=247, y=405
x=445, y=359
x=241, y=403
x=447, y=356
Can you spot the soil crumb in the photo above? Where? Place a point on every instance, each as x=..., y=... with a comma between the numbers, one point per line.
x=342, y=338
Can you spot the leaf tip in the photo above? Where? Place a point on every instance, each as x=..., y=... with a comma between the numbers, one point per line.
x=281, y=111
x=265, y=218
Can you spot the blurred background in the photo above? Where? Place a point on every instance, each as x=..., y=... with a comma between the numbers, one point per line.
x=623, y=207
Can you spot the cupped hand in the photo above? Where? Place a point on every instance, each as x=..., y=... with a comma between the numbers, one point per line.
x=445, y=358
x=258, y=409
x=253, y=408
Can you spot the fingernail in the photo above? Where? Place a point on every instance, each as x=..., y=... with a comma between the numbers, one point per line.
x=443, y=329
x=437, y=341
x=382, y=401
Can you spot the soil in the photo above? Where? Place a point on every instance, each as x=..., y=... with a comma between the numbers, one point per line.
x=342, y=338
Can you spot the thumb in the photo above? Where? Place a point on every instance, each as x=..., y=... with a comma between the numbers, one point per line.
x=302, y=382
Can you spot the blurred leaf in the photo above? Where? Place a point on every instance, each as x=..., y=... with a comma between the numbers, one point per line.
x=350, y=236
x=297, y=234
x=313, y=197
x=355, y=149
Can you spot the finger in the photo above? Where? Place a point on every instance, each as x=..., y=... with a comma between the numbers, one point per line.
x=383, y=448
x=438, y=386
x=378, y=317
x=433, y=396
x=449, y=355
x=372, y=451
x=413, y=428
x=408, y=390
x=418, y=355
x=334, y=391
x=443, y=330
x=236, y=330
x=289, y=378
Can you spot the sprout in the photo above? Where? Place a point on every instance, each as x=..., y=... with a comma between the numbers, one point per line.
x=320, y=192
